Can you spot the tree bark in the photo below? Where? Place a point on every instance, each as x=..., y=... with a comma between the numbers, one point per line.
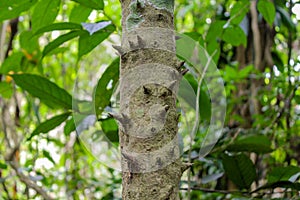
x=149, y=77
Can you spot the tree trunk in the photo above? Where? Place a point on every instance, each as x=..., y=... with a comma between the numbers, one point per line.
x=149, y=74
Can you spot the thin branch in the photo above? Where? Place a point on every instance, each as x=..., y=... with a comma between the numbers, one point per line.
x=195, y=127
x=29, y=183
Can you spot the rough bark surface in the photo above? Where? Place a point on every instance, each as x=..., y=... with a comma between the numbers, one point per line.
x=148, y=118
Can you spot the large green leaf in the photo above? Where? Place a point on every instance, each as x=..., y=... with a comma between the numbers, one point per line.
x=47, y=91
x=59, y=26
x=279, y=184
x=282, y=173
x=44, y=13
x=13, y=8
x=252, y=143
x=50, y=124
x=88, y=42
x=60, y=40
x=79, y=14
x=235, y=36
x=239, y=169
x=110, y=129
x=267, y=9
x=95, y=4
x=102, y=93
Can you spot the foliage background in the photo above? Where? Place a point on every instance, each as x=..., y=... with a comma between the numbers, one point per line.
x=56, y=70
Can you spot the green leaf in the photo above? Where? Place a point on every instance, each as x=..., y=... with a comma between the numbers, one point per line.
x=3, y=165
x=12, y=63
x=6, y=90
x=110, y=129
x=80, y=14
x=281, y=184
x=102, y=92
x=267, y=9
x=238, y=11
x=239, y=169
x=29, y=42
x=59, y=26
x=47, y=91
x=69, y=127
x=50, y=124
x=235, y=36
x=282, y=173
x=44, y=13
x=95, y=4
x=252, y=143
x=48, y=156
x=13, y=8
x=215, y=30
x=60, y=40
x=88, y=42
x=286, y=19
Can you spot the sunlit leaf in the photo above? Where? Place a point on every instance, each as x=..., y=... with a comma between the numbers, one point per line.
x=59, y=26
x=50, y=124
x=29, y=42
x=47, y=91
x=234, y=35
x=102, y=92
x=69, y=127
x=267, y=9
x=79, y=14
x=88, y=42
x=44, y=13
x=13, y=8
x=60, y=40
x=238, y=11
x=12, y=63
x=6, y=90
x=110, y=129
x=95, y=4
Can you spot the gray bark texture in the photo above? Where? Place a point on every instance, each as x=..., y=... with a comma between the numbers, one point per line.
x=149, y=78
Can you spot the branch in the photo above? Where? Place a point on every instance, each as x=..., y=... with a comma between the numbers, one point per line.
x=29, y=183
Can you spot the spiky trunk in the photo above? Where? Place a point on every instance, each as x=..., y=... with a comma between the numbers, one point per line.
x=149, y=75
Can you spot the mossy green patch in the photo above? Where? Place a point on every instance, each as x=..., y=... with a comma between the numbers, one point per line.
x=163, y=4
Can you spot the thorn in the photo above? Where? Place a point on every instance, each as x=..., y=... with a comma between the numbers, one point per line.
x=172, y=85
x=116, y=116
x=180, y=65
x=123, y=121
x=119, y=50
x=177, y=37
x=185, y=166
x=166, y=107
x=131, y=44
x=183, y=72
x=178, y=116
x=146, y=90
x=141, y=43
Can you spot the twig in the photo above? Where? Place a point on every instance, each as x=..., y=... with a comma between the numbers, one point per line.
x=29, y=183
x=195, y=127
